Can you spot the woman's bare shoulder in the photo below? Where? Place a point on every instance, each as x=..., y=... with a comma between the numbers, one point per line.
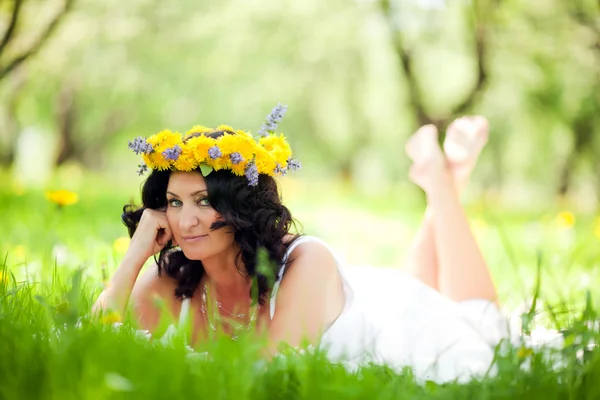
x=151, y=283
x=313, y=255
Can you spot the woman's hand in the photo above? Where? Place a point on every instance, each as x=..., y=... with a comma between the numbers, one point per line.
x=151, y=234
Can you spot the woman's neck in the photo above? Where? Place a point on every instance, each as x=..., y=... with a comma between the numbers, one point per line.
x=224, y=278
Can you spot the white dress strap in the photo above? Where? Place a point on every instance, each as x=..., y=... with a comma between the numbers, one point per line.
x=296, y=243
x=185, y=312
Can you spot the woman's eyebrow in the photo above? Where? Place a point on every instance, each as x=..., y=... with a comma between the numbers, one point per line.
x=192, y=194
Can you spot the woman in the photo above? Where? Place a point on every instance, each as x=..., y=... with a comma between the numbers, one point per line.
x=211, y=204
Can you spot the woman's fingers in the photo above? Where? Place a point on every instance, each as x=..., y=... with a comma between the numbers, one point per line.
x=164, y=236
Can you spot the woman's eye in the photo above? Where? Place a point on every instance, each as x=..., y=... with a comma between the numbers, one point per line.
x=174, y=203
x=203, y=202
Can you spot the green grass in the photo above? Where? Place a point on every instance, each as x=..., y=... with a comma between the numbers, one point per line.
x=56, y=259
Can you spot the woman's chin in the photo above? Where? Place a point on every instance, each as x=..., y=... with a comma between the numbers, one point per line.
x=192, y=254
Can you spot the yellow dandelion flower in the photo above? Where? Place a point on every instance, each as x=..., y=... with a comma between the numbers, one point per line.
x=111, y=318
x=265, y=163
x=199, y=147
x=239, y=169
x=218, y=163
x=245, y=134
x=565, y=219
x=278, y=147
x=160, y=142
x=229, y=144
x=62, y=197
x=157, y=161
x=164, y=139
x=247, y=147
x=148, y=161
x=4, y=277
x=524, y=352
x=121, y=244
x=186, y=160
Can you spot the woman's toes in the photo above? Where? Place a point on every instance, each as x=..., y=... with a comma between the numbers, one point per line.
x=422, y=145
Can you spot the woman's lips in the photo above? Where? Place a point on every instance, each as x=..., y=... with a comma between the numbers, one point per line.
x=191, y=239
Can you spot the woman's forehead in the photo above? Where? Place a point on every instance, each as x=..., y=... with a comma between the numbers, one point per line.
x=186, y=182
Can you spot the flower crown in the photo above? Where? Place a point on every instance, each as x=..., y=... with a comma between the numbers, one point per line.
x=234, y=150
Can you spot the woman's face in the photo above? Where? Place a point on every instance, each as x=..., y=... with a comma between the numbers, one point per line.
x=190, y=216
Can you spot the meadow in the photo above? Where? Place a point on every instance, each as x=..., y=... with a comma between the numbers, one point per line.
x=57, y=253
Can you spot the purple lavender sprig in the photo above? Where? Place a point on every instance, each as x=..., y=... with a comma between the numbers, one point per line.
x=142, y=169
x=214, y=152
x=140, y=146
x=236, y=158
x=279, y=170
x=252, y=174
x=293, y=165
x=273, y=119
x=173, y=153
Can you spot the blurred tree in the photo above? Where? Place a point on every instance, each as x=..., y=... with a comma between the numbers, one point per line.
x=568, y=93
x=480, y=14
x=586, y=121
x=8, y=62
x=16, y=46
x=358, y=77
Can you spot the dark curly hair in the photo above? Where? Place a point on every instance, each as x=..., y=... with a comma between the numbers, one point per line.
x=255, y=213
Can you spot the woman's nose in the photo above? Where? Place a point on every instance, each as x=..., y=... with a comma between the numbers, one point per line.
x=188, y=219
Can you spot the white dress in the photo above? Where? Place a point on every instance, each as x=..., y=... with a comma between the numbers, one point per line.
x=392, y=318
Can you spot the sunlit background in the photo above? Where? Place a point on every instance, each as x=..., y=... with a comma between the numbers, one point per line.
x=79, y=78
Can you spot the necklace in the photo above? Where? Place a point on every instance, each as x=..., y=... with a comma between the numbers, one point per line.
x=216, y=321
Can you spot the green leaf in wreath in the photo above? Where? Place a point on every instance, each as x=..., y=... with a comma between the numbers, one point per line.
x=205, y=169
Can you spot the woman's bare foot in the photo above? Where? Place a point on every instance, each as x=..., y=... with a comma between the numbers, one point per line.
x=465, y=138
x=429, y=162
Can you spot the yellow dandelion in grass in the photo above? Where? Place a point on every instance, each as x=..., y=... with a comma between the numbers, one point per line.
x=565, y=219
x=111, y=317
x=121, y=244
x=4, y=277
x=524, y=352
x=62, y=197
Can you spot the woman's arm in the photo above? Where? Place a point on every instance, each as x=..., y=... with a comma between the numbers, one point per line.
x=150, y=237
x=309, y=299
x=116, y=295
